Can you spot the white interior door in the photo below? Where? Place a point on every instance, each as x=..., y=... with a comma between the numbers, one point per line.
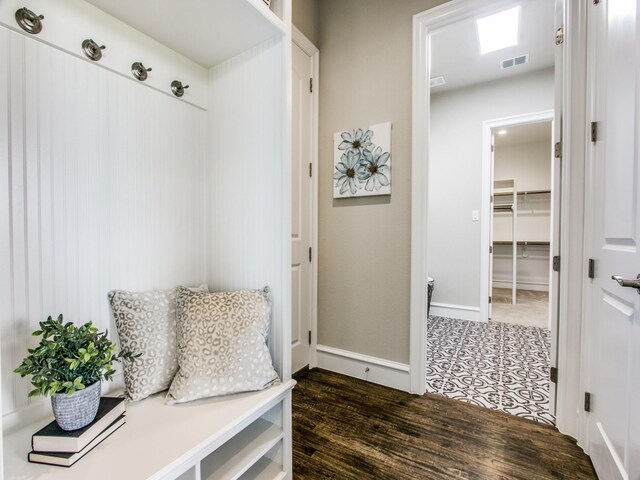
x=301, y=208
x=556, y=190
x=613, y=349
x=491, y=203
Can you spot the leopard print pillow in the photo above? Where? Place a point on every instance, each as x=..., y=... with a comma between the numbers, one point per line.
x=146, y=324
x=221, y=344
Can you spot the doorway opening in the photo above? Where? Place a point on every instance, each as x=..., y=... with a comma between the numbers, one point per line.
x=521, y=228
x=505, y=364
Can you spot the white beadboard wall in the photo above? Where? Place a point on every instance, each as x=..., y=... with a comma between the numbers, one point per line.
x=97, y=192
x=68, y=22
x=245, y=175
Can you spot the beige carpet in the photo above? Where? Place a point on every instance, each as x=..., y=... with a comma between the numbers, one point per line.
x=531, y=309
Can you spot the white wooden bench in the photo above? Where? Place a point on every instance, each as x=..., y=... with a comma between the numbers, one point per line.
x=243, y=436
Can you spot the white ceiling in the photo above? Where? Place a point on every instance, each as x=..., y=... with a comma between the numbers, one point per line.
x=527, y=133
x=193, y=28
x=455, y=51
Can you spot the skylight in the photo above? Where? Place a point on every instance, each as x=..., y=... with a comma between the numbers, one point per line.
x=499, y=30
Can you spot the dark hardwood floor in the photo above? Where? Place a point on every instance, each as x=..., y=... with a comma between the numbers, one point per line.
x=345, y=428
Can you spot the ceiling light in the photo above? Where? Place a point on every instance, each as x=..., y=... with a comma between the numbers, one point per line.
x=499, y=30
x=502, y=132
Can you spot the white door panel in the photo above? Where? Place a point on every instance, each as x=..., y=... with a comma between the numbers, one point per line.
x=301, y=208
x=491, y=222
x=556, y=189
x=613, y=318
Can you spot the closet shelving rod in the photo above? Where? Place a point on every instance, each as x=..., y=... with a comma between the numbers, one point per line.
x=524, y=243
x=523, y=192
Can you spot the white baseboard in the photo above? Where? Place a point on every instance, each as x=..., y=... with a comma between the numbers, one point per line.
x=462, y=312
x=383, y=372
x=535, y=286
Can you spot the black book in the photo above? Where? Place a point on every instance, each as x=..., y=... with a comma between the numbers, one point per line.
x=69, y=458
x=53, y=439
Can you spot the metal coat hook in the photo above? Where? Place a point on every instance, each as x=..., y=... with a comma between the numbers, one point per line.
x=92, y=50
x=29, y=21
x=139, y=71
x=177, y=88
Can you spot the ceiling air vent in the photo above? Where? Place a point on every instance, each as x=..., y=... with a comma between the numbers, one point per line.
x=437, y=81
x=512, y=62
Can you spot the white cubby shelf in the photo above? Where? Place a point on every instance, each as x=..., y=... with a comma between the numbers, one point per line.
x=226, y=438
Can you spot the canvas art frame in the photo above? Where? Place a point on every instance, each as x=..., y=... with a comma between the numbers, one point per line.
x=362, y=162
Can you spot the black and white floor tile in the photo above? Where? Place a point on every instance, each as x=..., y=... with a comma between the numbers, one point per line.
x=495, y=365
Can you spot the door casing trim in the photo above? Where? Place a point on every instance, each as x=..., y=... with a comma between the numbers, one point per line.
x=569, y=414
x=485, y=215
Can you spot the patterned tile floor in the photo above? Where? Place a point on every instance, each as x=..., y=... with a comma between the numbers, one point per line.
x=495, y=365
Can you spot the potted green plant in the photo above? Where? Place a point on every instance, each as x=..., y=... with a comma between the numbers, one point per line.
x=68, y=365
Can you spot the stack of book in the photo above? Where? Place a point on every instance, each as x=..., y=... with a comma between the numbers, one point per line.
x=53, y=446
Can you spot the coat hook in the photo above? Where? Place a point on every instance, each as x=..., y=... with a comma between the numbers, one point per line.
x=29, y=21
x=177, y=88
x=92, y=50
x=139, y=71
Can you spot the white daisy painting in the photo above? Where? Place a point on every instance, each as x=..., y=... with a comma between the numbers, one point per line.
x=362, y=162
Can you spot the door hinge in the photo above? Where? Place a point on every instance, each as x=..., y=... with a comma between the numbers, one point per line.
x=309, y=337
x=493, y=148
x=592, y=268
x=594, y=132
x=311, y=85
x=557, y=150
x=553, y=374
x=489, y=299
x=560, y=35
x=310, y=254
x=556, y=263
x=490, y=248
x=587, y=402
x=311, y=169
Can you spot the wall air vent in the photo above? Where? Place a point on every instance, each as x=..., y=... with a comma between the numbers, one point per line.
x=437, y=81
x=512, y=62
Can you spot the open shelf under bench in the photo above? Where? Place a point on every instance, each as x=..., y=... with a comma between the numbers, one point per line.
x=226, y=437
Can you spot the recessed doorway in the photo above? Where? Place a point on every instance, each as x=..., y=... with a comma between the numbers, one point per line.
x=473, y=96
x=521, y=223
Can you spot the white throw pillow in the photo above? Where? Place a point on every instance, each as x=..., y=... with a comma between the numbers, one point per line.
x=146, y=324
x=222, y=344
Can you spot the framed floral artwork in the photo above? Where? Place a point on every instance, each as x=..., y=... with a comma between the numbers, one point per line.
x=362, y=162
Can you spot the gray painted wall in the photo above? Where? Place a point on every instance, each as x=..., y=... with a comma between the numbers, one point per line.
x=455, y=175
x=305, y=17
x=529, y=163
x=364, y=244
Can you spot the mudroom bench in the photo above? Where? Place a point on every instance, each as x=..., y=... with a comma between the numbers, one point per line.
x=239, y=436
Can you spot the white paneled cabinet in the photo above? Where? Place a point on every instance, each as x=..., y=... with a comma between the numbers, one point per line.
x=108, y=182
